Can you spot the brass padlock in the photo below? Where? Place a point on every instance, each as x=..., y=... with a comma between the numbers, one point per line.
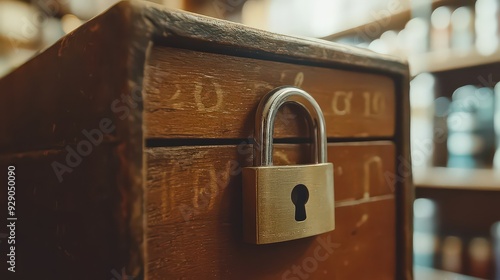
x=287, y=202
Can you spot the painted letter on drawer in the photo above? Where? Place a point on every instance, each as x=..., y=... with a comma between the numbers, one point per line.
x=194, y=211
x=191, y=94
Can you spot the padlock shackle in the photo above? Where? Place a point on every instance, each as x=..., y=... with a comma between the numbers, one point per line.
x=264, y=124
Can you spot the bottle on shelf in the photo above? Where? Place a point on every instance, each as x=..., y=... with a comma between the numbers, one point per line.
x=422, y=112
x=451, y=254
x=441, y=25
x=486, y=26
x=440, y=130
x=462, y=26
x=479, y=258
x=424, y=232
x=470, y=128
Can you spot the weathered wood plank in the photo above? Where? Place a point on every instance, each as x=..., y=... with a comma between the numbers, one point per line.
x=72, y=86
x=55, y=101
x=75, y=84
x=194, y=215
x=190, y=94
x=361, y=247
x=193, y=31
x=187, y=180
x=77, y=228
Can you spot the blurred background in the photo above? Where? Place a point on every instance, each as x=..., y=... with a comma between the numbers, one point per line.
x=453, y=51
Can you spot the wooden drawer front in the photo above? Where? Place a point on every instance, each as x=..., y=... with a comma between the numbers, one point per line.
x=193, y=213
x=191, y=94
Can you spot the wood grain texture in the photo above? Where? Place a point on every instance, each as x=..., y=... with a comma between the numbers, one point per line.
x=197, y=32
x=73, y=86
x=207, y=35
x=185, y=88
x=194, y=217
x=74, y=229
x=49, y=104
x=363, y=248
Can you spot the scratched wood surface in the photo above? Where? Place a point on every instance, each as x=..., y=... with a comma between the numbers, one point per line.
x=90, y=224
x=194, y=215
x=184, y=88
x=76, y=228
x=97, y=72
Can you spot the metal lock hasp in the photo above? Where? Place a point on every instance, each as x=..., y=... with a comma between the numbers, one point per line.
x=287, y=202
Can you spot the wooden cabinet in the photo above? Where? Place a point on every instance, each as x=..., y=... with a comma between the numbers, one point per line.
x=128, y=137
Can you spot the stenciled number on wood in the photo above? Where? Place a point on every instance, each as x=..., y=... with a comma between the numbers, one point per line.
x=174, y=99
x=176, y=105
x=374, y=103
x=341, y=103
x=298, y=80
x=371, y=166
x=199, y=89
x=219, y=97
x=167, y=183
x=207, y=187
x=205, y=192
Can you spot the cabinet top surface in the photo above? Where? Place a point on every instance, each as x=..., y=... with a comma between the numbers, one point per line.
x=192, y=31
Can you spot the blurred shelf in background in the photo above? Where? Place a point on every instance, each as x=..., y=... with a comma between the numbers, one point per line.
x=394, y=19
x=457, y=178
x=440, y=61
x=453, y=50
x=425, y=273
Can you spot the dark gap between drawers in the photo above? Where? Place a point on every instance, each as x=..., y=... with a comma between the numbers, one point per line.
x=158, y=142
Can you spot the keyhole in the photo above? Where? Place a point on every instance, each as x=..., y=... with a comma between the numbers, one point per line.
x=300, y=195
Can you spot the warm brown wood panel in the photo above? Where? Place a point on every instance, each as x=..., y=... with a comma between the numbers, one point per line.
x=183, y=176
x=75, y=84
x=185, y=88
x=194, y=216
x=91, y=225
x=361, y=247
x=77, y=228
x=361, y=169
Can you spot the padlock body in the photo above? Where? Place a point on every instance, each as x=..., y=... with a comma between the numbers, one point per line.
x=268, y=209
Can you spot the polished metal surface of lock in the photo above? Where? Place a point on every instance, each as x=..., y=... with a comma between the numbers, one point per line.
x=287, y=202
